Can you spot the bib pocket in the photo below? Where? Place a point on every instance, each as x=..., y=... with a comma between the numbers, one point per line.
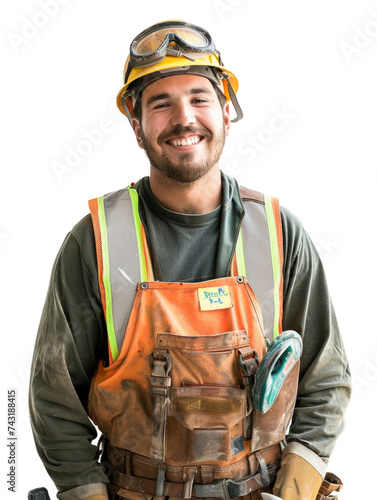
x=206, y=397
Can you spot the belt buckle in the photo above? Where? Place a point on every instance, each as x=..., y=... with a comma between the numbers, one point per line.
x=217, y=490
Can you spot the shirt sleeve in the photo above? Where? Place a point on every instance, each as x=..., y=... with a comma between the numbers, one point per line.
x=70, y=341
x=324, y=383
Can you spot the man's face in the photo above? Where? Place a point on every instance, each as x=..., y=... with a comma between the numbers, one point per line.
x=183, y=126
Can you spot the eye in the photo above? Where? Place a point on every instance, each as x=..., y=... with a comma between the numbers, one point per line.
x=161, y=105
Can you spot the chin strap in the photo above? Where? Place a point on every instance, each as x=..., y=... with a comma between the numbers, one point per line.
x=233, y=98
x=126, y=110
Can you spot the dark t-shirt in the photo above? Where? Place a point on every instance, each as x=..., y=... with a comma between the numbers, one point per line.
x=183, y=246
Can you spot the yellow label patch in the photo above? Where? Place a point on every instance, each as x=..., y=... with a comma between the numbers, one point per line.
x=216, y=297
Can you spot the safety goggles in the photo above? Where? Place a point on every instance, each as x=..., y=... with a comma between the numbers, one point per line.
x=170, y=38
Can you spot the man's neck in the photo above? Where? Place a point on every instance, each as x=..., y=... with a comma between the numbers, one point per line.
x=199, y=197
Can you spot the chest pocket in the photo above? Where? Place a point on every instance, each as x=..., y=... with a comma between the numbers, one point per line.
x=202, y=396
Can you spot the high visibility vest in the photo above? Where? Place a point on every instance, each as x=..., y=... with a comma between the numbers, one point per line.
x=124, y=259
x=176, y=396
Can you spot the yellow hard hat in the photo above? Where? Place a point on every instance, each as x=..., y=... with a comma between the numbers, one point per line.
x=170, y=48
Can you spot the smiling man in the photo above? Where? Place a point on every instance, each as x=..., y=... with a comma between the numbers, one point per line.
x=187, y=317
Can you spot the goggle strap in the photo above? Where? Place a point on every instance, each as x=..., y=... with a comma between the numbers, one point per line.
x=234, y=100
x=170, y=51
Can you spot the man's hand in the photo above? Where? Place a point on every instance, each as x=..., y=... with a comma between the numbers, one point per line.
x=297, y=479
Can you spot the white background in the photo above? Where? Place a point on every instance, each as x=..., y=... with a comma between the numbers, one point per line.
x=313, y=62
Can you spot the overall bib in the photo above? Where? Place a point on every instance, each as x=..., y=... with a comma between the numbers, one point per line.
x=175, y=402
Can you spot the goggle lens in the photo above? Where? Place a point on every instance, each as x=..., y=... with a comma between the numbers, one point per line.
x=152, y=42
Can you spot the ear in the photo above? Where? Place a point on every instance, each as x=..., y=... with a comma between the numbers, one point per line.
x=226, y=113
x=137, y=129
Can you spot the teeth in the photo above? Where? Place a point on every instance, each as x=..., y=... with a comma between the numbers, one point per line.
x=186, y=141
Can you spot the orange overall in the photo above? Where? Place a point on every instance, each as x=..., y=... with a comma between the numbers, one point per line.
x=175, y=405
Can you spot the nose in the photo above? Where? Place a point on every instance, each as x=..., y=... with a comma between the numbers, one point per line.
x=183, y=114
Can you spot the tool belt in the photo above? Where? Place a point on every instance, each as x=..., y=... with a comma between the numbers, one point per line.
x=330, y=484
x=134, y=473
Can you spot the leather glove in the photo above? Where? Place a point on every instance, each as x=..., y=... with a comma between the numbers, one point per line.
x=297, y=479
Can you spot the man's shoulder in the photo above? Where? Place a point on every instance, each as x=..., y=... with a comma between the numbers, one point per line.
x=245, y=193
x=288, y=219
x=248, y=194
x=82, y=234
x=291, y=223
x=83, y=231
x=292, y=228
x=79, y=246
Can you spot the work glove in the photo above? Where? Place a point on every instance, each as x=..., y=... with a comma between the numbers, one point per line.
x=297, y=479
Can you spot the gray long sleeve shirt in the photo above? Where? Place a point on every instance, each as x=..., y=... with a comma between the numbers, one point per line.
x=72, y=334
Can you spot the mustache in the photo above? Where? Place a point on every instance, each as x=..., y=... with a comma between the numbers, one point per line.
x=179, y=130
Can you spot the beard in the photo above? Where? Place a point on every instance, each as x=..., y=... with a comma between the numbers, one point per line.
x=186, y=167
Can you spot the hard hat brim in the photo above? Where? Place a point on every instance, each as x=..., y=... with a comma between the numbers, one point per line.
x=171, y=63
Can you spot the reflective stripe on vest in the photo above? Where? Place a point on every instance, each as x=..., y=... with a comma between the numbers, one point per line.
x=124, y=260
x=260, y=247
